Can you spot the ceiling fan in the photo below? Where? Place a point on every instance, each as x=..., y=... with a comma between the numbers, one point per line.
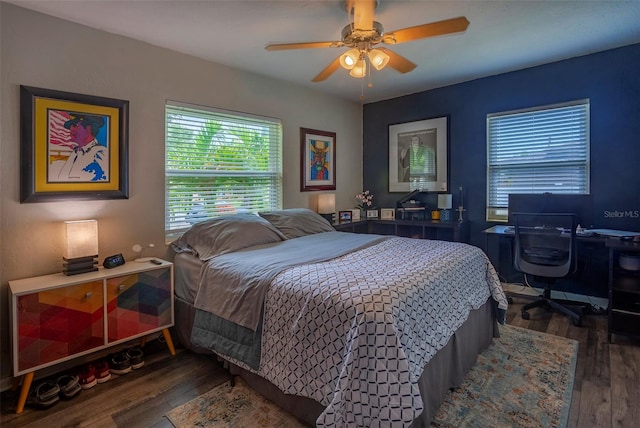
x=364, y=34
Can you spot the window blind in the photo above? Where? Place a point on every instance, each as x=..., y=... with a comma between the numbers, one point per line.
x=536, y=151
x=219, y=162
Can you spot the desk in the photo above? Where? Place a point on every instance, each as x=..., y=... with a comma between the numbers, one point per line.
x=592, y=260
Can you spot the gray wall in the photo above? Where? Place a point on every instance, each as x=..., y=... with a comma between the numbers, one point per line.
x=46, y=52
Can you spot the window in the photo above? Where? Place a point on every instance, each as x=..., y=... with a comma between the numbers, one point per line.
x=219, y=162
x=539, y=150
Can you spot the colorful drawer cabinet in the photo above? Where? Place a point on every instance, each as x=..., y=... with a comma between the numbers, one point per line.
x=56, y=318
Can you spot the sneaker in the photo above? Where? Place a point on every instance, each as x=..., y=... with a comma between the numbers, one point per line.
x=102, y=371
x=136, y=357
x=87, y=377
x=44, y=395
x=119, y=363
x=69, y=386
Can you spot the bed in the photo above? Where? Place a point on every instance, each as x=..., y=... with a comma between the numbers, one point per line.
x=340, y=329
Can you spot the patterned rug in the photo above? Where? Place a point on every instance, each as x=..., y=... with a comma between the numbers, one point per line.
x=525, y=379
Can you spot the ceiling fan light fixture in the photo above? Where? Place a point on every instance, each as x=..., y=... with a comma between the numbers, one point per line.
x=349, y=59
x=359, y=70
x=378, y=58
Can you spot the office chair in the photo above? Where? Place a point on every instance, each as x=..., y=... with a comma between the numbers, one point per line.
x=545, y=247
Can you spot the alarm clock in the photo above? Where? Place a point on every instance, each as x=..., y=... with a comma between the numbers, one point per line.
x=113, y=261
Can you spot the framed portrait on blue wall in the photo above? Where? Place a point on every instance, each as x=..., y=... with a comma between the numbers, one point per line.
x=419, y=156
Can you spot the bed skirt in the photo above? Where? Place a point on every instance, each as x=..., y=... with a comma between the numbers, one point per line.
x=444, y=371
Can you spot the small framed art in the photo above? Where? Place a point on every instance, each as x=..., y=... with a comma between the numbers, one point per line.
x=344, y=216
x=372, y=214
x=355, y=215
x=387, y=214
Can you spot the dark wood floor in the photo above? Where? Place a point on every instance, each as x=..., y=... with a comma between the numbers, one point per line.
x=606, y=390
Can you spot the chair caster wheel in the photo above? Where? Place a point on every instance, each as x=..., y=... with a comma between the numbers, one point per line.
x=525, y=315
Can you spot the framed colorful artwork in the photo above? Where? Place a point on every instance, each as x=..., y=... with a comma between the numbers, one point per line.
x=317, y=160
x=73, y=146
x=344, y=216
x=419, y=156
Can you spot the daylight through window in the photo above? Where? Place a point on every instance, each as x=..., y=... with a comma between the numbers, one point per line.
x=219, y=162
x=539, y=150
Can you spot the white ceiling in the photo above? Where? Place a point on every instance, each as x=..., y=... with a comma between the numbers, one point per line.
x=502, y=35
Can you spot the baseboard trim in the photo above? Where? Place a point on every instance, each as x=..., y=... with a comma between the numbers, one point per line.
x=6, y=383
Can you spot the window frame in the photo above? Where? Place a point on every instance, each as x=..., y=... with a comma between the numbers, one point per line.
x=268, y=173
x=499, y=213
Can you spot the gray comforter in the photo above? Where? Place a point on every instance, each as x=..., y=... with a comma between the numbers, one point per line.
x=232, y=286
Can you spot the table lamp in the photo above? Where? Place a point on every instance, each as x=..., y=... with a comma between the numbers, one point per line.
x=327, y=206
x=80, y=251
x=444, y=205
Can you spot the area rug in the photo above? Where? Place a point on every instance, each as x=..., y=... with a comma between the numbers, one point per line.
x=231, y=407
x=524, y=379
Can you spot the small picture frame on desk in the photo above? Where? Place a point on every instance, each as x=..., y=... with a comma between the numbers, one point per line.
x=344, y=216
x=387, y=214
x=371, y=214
x=355, y=215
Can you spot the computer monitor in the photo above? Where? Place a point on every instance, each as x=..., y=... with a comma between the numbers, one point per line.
x=580, y=205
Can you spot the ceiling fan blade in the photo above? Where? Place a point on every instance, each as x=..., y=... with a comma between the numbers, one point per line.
x=363, y=13
x=448, y=26
x=398, y=62
x=324, y=74
x=306, y=45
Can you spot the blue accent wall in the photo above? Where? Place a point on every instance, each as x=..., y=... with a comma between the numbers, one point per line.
x=610, y=79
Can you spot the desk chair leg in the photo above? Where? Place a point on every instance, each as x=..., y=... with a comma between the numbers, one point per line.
x=549, y=304
x=541, y=303
x=576, y=318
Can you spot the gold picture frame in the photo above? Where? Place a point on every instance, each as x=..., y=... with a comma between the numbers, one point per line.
x=73, y=146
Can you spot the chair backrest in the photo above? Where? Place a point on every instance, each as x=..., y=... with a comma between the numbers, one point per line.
x=545, y=244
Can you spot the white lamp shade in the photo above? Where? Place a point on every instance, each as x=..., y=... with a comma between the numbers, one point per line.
x=326, y=203
x=378, y=59
x=359, y=70
x=444, y=201
x=81, y=239
x=349, y=58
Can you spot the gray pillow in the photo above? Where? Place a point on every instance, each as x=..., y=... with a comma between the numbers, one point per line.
x=297, y=222
x=226, y=234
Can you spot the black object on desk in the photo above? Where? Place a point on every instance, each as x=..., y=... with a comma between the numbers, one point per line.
x=410, y=209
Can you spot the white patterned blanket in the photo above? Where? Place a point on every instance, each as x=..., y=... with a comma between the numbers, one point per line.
x=354, y=333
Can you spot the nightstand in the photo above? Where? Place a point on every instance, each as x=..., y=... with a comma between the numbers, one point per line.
x=56, y=318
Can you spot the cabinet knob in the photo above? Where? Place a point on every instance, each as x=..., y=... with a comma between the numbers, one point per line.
x=88, y=295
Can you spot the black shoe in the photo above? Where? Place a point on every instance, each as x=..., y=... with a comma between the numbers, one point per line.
x=136, y=356
x=119, y=363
